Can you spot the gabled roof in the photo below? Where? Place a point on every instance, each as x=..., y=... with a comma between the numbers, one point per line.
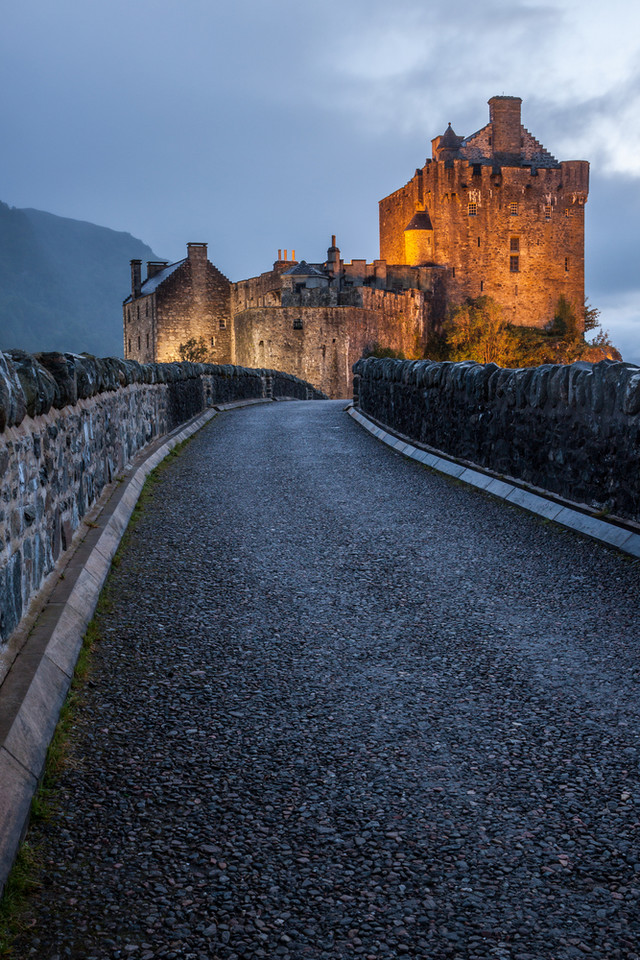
x=304, y=269
x=152, y=284
x=420, y=221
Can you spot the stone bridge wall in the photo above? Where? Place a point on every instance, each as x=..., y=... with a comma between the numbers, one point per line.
x=69, y=425
x=572, y=430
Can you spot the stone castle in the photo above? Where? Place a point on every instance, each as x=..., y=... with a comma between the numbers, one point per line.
x=493, y=213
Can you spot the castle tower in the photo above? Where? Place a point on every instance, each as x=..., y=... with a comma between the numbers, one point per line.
x=507, y=218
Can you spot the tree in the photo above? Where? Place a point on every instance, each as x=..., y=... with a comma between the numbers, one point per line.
x=195, y=350
x=565, y=322
x=478, y=331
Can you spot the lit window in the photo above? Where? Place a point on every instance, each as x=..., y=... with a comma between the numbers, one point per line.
x=515, y=245
x=473, y=209
x=567, y=212
x=514, y=264
x=547, y=211
x=297, y=323
x=513, y=209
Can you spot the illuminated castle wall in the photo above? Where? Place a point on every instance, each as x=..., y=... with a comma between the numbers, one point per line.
x=493, y=213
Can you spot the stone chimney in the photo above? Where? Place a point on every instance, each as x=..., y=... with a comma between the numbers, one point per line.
x=334, y=263
x=504, y=116
x=136, y=278
x=197, y=251
x=155, y=266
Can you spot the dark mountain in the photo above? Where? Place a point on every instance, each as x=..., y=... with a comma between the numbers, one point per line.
x=62, y=282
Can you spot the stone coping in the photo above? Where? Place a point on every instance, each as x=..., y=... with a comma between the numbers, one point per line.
x=618, y=533
x=35, y=688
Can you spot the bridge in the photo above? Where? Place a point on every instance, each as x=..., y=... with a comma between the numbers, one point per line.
x=342, y=705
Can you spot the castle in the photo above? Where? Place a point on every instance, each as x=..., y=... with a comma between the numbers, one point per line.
x=493, y=213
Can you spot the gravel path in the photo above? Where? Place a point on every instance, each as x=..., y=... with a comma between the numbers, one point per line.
x=348, y=708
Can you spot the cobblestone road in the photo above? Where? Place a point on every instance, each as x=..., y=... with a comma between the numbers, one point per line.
x=345, y=707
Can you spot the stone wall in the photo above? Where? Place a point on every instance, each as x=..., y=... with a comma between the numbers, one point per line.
x=523, y=245
x=572, y=430
x=69, y=425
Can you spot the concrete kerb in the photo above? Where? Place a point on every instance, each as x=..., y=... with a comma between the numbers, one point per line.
x=574, y=516
x=35, y=687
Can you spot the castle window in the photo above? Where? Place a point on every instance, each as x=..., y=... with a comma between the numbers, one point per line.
x=138, y=311
x=477, y=169
x=547, y=211
x=129, y=350
x=567, y=212
x=297, y=323
x=213, y=342
x=473, y=209
x=147, y=341
x=515, y=245
x=514, y=264
x=223, y=323
x=566, y=264
x=478, y=241
x=138, y=342
x=513, y=209
x=481, y=286
x=146, y=308
x=453, y=271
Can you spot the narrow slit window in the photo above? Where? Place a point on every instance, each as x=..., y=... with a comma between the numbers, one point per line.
x=566, y=264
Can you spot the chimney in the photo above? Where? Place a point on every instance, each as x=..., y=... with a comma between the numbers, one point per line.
x=155, y=266
x=504, y=116
x=136, y=278
x=285, y=255
x=279, y=254
x=197, y=251
x=293, y=256
x=334, y=263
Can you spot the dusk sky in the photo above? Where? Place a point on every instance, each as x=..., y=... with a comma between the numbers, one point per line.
x=257, y=126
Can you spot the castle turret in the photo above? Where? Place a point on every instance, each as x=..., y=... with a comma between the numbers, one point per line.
x=418, y=239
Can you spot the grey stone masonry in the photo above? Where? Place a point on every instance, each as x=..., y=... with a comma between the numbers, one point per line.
x=68, y=426
x=572, y=430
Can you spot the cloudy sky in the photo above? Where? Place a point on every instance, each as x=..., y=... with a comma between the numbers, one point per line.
x=255, y=125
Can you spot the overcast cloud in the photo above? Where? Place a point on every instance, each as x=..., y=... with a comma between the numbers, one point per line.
x=259, y=125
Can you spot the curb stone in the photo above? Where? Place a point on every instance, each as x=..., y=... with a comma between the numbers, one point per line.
x=35, y=688
x=578, y=517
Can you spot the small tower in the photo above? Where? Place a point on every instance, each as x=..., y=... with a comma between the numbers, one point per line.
x=334, y=263
x=418, y=239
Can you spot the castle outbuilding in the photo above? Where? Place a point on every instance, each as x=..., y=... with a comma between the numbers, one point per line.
x=493, y=213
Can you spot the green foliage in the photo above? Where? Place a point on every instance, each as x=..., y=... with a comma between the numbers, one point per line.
x=377, y=350
x=478, y=331
x=195, y=350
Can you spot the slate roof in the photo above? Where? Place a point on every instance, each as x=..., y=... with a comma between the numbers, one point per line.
x=420, y=221
x=304, y=269
x=149, y=286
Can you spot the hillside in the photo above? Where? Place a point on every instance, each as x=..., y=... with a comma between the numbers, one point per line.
x=62, y=282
